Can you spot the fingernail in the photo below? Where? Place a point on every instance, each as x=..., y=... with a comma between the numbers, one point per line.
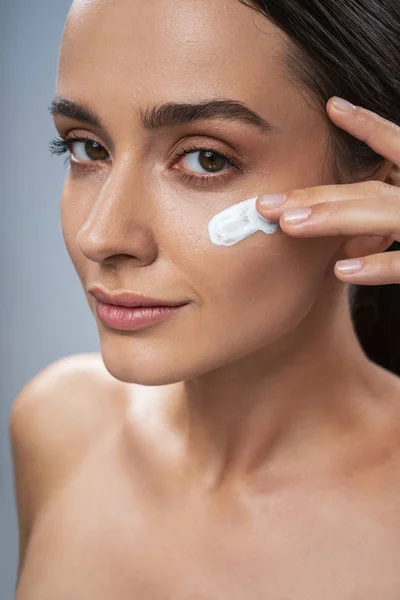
x=350, y=266
x=342, y=104
x=298, y=214
x=272, y=200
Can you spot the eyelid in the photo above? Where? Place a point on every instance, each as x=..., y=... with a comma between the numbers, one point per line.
x=230, y=158
x=178, y=154
x=210, y=143
x=192, y=139
x=197, y=179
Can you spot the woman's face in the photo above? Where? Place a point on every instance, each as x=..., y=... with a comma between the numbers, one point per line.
x=137, y=218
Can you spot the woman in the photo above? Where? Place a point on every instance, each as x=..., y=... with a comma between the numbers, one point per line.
x=243, y=444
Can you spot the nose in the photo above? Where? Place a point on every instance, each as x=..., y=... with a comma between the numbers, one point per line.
x=119, y=222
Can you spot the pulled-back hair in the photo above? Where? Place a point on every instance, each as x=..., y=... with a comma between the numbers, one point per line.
x=350, y=48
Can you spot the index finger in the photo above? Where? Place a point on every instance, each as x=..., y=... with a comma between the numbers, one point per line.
x=381, y=135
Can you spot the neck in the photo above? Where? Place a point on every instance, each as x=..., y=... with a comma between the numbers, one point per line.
x=283, y=406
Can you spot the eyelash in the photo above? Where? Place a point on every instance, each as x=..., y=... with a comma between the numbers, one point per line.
x=60, y=145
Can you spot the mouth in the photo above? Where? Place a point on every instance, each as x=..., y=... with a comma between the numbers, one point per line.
x=131, y=299
x=126, y=318
x=129, y=311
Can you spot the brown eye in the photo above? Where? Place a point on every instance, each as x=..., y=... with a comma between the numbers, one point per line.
x=92, y=149
x=95, y=151
x=202, y=161
x=86, y=150
x=211, y=161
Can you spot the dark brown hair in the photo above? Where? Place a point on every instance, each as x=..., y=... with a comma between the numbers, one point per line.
x=350, y=48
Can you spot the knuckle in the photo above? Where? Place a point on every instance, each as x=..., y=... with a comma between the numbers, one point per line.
x=382, y=189
x=391, y=264
x=378, y=188
x=290, y=196
x=387, y=190
x=389, y=197
x=299, y=196
x=371, y=121
x=334, y=211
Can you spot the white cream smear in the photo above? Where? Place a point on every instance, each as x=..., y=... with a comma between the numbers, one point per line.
x=237, y=222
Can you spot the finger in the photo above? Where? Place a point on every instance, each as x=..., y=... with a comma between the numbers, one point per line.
x=352, y=217
x=378, y=133
x=325, y=193
x=378, y=269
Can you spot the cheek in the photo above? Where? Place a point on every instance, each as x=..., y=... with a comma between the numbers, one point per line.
x=74, y=211
x=260, y=287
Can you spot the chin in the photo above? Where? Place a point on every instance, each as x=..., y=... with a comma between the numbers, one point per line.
x=133, y=361
x=149, y=377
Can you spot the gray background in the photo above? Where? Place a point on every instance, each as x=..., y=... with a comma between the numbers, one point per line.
x=44, y=314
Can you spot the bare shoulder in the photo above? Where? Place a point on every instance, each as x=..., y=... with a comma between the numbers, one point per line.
x=74, y=391
x=54, y=421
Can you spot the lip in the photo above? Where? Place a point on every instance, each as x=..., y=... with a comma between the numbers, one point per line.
x=131, y=318
x=131, y=299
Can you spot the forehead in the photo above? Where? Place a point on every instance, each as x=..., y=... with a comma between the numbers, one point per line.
x=182, y=49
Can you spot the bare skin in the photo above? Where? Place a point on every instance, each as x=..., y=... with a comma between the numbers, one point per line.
x=131, y=519
x=255, y=450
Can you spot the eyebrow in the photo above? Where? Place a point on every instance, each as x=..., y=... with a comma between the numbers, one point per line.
x=170, y=114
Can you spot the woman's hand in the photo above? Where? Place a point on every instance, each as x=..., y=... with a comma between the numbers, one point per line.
x=370, y=208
